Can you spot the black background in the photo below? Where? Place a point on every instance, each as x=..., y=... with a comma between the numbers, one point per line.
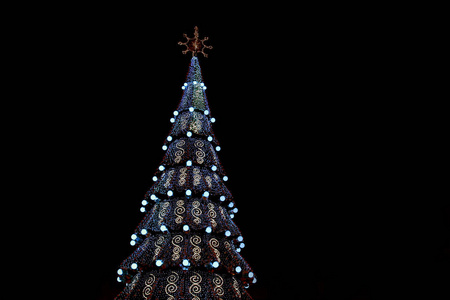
x=316, y=139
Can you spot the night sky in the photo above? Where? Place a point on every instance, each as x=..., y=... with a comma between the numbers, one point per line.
x=311, y=140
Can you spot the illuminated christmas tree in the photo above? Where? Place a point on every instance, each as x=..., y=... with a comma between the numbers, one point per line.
x=187, y=245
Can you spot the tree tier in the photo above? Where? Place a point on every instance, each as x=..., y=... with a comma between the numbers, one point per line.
x=199, y=214
x=175, y=181
x=195, y=151
x=181, y=285
x=188, y=250
x=195, y=122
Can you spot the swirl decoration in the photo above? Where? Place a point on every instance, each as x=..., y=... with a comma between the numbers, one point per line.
x=158, y=244
x=171, y=286
x=216, y=177
x=212, y=214
x=180, y=151
x=214, y=243
x=197, y=176
x=200, y=153
x=196, y=126
x=176, y=248
x=182, y=178
x=162, y=213
x=196, y=212
x=134, y=282
x=195, y=241
x=169, y=178
x=184, y=119
x=195, y=288
x=216, y=160
x=208, y=180
x=236, y=287
x=228, y=246
x=218, y=282
x=147, y=292
x=179, y=211
x=222, y=212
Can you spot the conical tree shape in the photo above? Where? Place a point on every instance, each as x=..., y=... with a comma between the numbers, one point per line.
x=187, y=245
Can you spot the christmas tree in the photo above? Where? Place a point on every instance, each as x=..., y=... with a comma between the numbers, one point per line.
x=187, y=245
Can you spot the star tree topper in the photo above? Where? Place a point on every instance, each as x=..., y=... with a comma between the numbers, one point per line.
x=195, y=45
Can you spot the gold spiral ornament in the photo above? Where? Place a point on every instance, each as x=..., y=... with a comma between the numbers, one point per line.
x=184, y=120
x=179, y=153
x=216, y=160
x=195, y=288
x=134, y=282
x=218, y=282
x=200, y=153
x=158, y=245
x=236, y=287
x=176, y=248
x=162, y=213
x=196, y=212
x=179, y=211
x=195, y=241
x=182, y=178
x=169, y=178
x=197, y=176
x=171, y=286
x=208, y=181
x=222, y=213
x=147, y=291
x=214, y=243
x=212, y=214
x=196, y=123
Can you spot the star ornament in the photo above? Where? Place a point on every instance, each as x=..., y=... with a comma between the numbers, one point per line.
x=195, y=44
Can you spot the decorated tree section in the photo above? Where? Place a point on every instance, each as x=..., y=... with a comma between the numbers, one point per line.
x=187, y=245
